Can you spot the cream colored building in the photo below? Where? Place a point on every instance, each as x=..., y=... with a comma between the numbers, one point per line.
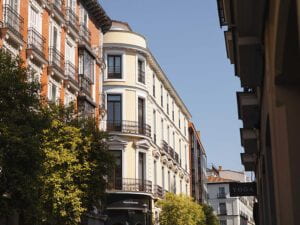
x=148, y=123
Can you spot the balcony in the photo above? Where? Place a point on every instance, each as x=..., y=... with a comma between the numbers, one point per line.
x=222, y=212
x=36, y=45
x=56, y=62
x=128, y=127
x=130, y=185
x=158, y=191
x=85, y=86
x=57, y=8
x=72, y=20
x=13, y=25
x=85, y=34
x=71, y=73
x=176, y=157
x=165, y=147
x=221, y=195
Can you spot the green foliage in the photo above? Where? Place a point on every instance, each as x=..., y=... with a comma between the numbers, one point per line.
x=210, y=217
x=53, y=165
x=180, y=210
x=21, y=125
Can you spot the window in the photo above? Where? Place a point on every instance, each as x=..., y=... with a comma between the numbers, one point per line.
x=114, y=67
x=180, y=186
x=162, y=129
x=174, y=141
x=116, y=178
x=168, y=103
x=141, y=116
x=141, y=71
x=223, y=222
x=35, y=19
x=153, y=85
x=84, y=17
x=222, y=208
x=163, y=177
x=173, y=116
x=154, y=126
x=169, y=181
x=184, y=126
x=161, y=96
x=52, y=92
x=185, y=156
x=174, y=184
x=86, y=66
x=141, y=168
x=114, y=112
x=180, y=152
x=155, y=172
x=221, y=193
x=168, y=134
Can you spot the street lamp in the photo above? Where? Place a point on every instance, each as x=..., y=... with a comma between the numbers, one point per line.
x=145, y=211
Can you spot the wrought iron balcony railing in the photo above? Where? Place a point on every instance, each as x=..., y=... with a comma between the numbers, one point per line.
x=36, y=41
x=56, y=58
x=71, y=72
x=165, y=147
x=221, y=195
x=72, y=18
x=158, y=191
x=85, y=85
x=129, y=127
x=13, y=21
x=176, y=157
x=85, y=33
x=129, y=184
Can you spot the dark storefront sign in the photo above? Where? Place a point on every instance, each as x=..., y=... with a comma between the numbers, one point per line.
x=242, y=189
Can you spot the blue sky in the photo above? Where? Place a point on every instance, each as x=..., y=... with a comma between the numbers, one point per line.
x=187, y=41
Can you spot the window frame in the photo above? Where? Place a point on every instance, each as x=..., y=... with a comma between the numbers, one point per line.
x=114, y=56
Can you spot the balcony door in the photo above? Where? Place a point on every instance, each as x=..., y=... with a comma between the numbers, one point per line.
x=114, y=112
x=141, y=115
x=141, y=171
x=116, y=179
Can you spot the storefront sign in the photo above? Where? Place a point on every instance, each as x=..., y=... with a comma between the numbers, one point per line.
x=242, y=189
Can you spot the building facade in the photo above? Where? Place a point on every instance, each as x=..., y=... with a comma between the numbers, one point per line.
x=61, y=44
x=148, y=125
x=198, y=162
x=230, y=210
x=262, y=40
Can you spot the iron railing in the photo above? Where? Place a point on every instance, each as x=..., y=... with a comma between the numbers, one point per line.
x=13, y=21
x=85, y=85
x=221, y=195
x=72, y=18
x=176, y=157
x=36, y=41
x=158, y=191
x=129, y=127
x=85, y=33
x=165, y=147
x=56, y=58
x=130, y=184
x=57, y=5
x=71, y=72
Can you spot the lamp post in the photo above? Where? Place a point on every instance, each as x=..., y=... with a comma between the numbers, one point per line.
x=145, y=211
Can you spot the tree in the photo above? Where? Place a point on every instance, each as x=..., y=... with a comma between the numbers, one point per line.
x=76, y=163
x=21, y=125
x=180, y=210
x=210, y=217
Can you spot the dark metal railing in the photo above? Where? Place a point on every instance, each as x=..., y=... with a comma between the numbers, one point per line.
x=13, y=20
x=85, y=85
x=176, y=157
x=221, y=195
x=165, y=147
x=36, y=41
x=130, y=184
x=57, y=5
x=158, y=191
x=171, y=152
x=72, y=18
x=70, y=71
x=85, y=33
x=56, y=58
x=130, y=127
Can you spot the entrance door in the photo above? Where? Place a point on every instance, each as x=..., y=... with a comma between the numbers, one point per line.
x=114, y=112
x=141, y=116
